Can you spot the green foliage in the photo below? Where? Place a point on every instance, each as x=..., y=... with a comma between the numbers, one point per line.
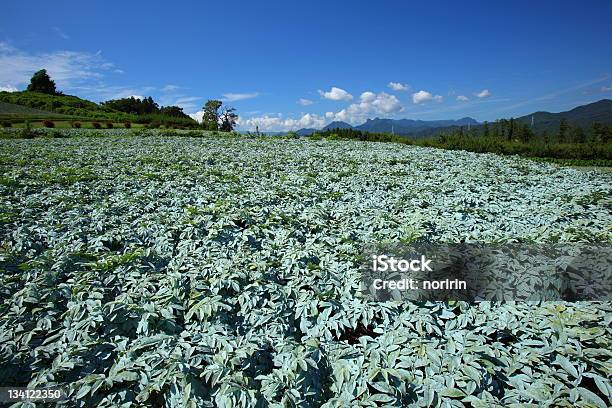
x=506, y=137
x=41, y=82
x=133, y=105
x=51, y=106
x=223, y=272
x=210, y=118
x=228, y=120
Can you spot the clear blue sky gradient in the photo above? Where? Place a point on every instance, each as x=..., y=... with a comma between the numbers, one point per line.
x=543, y=55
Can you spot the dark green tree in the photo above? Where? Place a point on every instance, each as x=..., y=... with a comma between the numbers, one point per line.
x=210, y=119
x=228, y=119
x=578, y=135
x=485, y=129
x=563, y=128
x=525, y=133
x=511, y=129
x=42, y=82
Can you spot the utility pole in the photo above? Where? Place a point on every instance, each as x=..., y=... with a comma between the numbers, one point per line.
x=531, y=120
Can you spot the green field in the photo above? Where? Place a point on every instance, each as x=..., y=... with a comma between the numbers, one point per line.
x=223, y=271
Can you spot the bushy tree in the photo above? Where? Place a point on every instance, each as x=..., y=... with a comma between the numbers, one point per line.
x=210, y=119
x=133, y=105
x=42, y=82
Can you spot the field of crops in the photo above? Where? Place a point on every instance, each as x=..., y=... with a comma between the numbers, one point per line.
x=143, y=271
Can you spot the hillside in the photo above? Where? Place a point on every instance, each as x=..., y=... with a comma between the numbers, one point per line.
x=62, y=104
x=337, y=125
x=410, y=126
x=44, y=106
x=582, y=116
x=398, y=126
x=11, y=109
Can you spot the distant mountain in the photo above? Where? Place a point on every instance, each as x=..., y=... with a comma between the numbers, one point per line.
x=410, y=126
x=397, y=126
x=306, y=131
x=581, y=116
x=337, y=125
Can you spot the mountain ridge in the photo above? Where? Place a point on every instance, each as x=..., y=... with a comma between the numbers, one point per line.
x=580, y=116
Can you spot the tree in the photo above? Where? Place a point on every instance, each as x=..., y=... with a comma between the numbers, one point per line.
x=210, y=118
x=133, y=105
x=563, y=128
x=228, y=119
x=511, y=129
x=486, y=129
x=42, y=82
x=578, y=135
x=175, y=111
x=525, y=133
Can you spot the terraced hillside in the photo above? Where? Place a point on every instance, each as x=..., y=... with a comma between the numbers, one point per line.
x=223, y=272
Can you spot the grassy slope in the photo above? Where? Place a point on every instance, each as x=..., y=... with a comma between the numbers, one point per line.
x=75, y=108
x=13, y=110
x=62, y=104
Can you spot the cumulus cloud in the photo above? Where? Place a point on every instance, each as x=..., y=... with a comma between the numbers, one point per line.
x=271, y=123
x=483, y=94
x=66, y=68
x=424, y=96
x=197, y=116
x=232, y=97
x=8, y=88
x=336, y=94
x=304, y=102
x=462, y=98
x=370, y=104
x=397, y=86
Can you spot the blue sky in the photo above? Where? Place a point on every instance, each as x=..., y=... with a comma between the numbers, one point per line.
x=287, y=64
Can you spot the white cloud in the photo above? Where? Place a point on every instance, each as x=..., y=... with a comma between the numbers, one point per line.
x=483, y=94
x=606, y=88
x=60, y=33
x=304, y=102
x=170, y=88
x=397, y=86
x=8, y=88
x=370, y=104
x=462, y=98
x=197, y=116
x=137, y=97
x=66, y=68
x=232, y=97
x=277, y=123
x=329, y=115
x=424, y=96
x=336, y=94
